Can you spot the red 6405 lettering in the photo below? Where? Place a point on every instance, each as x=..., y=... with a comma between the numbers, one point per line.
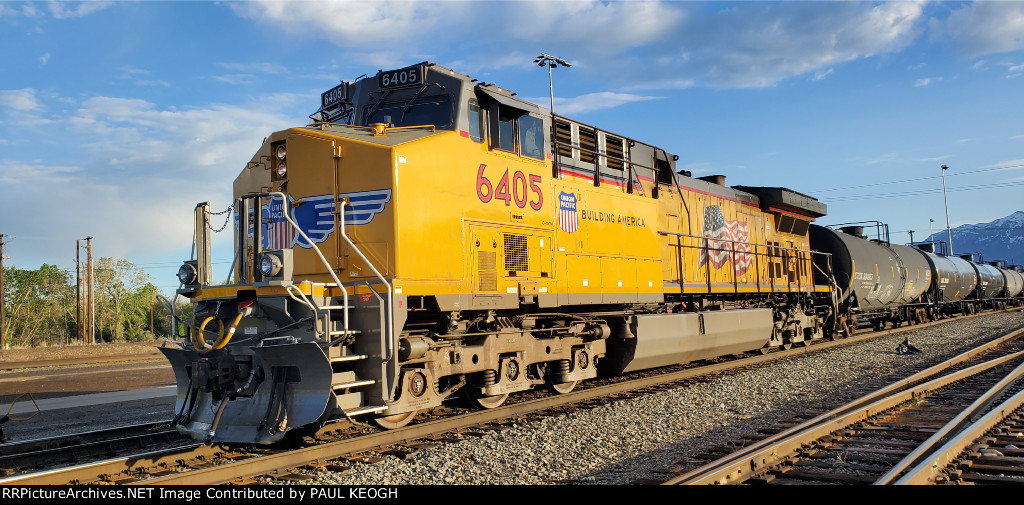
x=515, y=189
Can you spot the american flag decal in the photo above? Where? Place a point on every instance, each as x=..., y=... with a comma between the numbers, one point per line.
x=277, y=232
x=725, y=240
x=568, y=219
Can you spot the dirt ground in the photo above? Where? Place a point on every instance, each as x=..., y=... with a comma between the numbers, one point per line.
x=16, y=354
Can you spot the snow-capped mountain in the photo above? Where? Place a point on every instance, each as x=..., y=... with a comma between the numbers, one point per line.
x=1002, y=239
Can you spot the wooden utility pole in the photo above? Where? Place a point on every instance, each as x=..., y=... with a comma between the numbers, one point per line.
x=78, y=290
x=91, y=339
x=3, y=340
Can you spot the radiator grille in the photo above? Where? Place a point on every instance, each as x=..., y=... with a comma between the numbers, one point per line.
x=517, y=258
x=487, y=271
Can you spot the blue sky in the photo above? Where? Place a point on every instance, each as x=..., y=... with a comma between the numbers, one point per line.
x=116, y=118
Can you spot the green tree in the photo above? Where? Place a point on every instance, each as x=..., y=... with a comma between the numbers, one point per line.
x=39, y=306
x=124, y=294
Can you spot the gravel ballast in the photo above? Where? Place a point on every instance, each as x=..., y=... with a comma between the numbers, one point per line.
x=630, y=440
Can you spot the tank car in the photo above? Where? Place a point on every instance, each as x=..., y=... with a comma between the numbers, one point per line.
x=1014, y=283
x=990, y=286
x=878, y=282
x=953, y=281
x=428, y=236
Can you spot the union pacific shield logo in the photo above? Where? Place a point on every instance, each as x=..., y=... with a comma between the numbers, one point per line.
x=568, y=219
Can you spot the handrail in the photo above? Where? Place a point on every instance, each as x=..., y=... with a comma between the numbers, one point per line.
x=390, y=316
x=769, y=253
x=344, y=292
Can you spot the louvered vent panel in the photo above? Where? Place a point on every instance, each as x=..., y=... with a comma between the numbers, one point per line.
x=613, y=146
x=588, y=145
x=487, y=271
x=517, y=258
x=563, y=138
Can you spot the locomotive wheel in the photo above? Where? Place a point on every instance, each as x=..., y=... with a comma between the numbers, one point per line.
x=564, y=387
x=486, y=402
x=395, y=421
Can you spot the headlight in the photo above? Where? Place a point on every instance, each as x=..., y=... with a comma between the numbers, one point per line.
x=281, y=152
x=282, y=170
x=187, y=274
x=270, y=265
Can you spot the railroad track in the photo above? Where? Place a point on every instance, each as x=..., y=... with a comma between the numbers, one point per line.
x=54, y=451
x=913, y=431
x=337, y=446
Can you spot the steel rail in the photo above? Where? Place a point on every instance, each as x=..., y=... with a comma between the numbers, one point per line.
x=272, y=463
x=755, y=457
x=929, y=468
x=134, y=467
x=164, y=460
x=123, y=467
x=37, y=444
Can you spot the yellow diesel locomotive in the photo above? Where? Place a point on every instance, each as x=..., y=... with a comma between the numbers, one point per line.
x=429, y=236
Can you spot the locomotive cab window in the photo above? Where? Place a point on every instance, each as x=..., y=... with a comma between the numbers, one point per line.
x=531, y=136
x=433, y=110
x=476, y=121
x=517, y=132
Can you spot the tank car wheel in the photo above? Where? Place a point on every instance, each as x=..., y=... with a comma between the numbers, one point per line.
x=563, y=387
x=395, y=421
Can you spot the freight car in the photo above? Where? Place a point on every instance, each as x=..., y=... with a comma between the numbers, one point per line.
x=428, y=236
x=882, y=283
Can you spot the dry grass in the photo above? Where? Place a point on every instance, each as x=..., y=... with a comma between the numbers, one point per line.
x=80, y=351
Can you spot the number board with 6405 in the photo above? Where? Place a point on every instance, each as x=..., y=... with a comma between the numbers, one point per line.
x=408, y=76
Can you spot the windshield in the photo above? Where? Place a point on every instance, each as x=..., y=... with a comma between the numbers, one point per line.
x=434, y=110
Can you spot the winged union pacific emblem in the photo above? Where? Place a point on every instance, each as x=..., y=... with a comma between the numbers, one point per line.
x=315, y=216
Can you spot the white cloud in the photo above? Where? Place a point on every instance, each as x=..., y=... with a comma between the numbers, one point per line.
x=19, y=99
x=822, y=74
x=67, y=10
x=137, y=171
x=592, y=101
x=926, y=81
x=643, y=44
x=354, y=22
x=981, y=28
x=45, y=58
